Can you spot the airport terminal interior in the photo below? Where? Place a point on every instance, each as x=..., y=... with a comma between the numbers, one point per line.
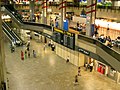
x=60, y=45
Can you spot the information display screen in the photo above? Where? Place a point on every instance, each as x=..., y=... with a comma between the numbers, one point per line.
x=58, y=37
x=64, y=38
x=69, y=41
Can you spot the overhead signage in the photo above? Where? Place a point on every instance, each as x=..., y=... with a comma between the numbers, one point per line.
x=64, y=38
x=70, y=34
x=83, y=51
x=58, y=30
x=63, y=32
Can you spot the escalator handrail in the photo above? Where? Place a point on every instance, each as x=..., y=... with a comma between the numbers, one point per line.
x=37, y=24
x=4, y=30
x=15, y=36
x=10, y=31
x=108, y=50
x=7, y=26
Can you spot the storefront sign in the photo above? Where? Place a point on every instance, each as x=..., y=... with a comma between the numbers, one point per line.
x=83, y=51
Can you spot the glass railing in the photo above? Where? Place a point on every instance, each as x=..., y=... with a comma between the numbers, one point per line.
x=38, y=24
x=108, y=50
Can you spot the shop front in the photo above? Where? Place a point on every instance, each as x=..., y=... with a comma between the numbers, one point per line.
x=113, y=74
x=101, y=68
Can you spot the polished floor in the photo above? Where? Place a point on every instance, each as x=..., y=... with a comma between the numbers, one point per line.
x=50, y=72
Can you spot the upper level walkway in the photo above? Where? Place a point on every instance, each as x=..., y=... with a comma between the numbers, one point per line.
x=111, y=55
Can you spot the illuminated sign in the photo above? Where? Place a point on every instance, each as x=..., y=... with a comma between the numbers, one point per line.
x=58, y=30
x=83, y=51
x=63, y=32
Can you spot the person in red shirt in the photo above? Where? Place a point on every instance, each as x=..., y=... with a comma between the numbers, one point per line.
x=22, y=55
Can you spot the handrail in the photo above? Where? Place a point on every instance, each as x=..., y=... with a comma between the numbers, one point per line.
x=9, y=27
x=8, y=31
x=108, y=50
x=8, y=34
x=38, y=24
x=4, y=30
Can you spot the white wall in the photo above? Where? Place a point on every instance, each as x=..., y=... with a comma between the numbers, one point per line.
x=80, y=19
x=74, y=56
x=116, y=3
x=81, y=59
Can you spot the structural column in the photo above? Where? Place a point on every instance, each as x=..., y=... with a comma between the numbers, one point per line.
x=44, y=11
x=91, y=15
x=62, y=7
x=32, y=7
x=2, y=55
x=118, y=77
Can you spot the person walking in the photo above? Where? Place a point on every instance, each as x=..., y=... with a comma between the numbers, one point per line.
x=79, y=70
x=22, y=55
x=76, y=80
x=34, y=54
x=28, y=48
x=86, y=66
x=29, y=54
x=25, y=54
x=44, y=47
x=91, y=66
x=67, y=59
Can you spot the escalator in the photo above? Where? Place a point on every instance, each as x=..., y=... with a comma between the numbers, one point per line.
x=16, y=36
x=107, y=54
x=11, y=35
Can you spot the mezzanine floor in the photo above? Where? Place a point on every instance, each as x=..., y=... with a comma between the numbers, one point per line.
x=50, y=72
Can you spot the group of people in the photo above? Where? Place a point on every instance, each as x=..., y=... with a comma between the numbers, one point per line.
x=26, y=53
x=81, y=26
x=50, y=44
x=106, y=40
x=56, y=22
x=89, y=66
x=76, y=76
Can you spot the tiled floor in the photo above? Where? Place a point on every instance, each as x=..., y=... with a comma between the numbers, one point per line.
x=50, y=72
